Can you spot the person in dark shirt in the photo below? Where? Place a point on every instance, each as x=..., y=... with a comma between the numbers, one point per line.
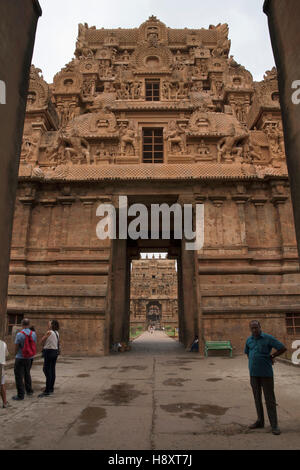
x=195, y=344
x=258, y=349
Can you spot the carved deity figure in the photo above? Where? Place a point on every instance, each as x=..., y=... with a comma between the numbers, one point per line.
x=181, y=91
x=123, y=93
x=126, y=56
x=101, y=152
x=240, y=110
x=175, y=137
x=275, y=138
x=228, y=148
x=255, y=153
x=29, y=146
x=166, y=90
x=57, y=154
x=203, y=150
x=128, y=139
x=153, y=38
x=178, y=56
x=218, y=87
x=135, y=90
x=77, y=149
x=66, y=112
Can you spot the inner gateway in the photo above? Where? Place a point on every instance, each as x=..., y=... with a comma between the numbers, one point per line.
x=153, y=294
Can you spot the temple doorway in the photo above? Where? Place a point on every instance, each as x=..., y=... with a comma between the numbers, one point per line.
x=184, y=321
x=153, y=295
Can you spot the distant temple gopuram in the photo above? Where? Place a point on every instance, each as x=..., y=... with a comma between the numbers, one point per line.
x=161, y=116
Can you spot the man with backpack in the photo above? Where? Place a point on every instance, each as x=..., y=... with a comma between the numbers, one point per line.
x=25, y=351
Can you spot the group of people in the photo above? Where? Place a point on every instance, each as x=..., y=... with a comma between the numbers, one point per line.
x=258, y=349
x=25, y=350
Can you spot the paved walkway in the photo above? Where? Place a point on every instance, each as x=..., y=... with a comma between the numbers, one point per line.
x=158, y=396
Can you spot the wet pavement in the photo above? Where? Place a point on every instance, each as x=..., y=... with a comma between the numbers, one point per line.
x=157, y=396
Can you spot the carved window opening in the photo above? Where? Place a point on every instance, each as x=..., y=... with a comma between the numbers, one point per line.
x=152, y=90
x=153, y=148
x=292, y=322
x=237, y=81
x=14, y=320
x=68, y=82
x=100, y=88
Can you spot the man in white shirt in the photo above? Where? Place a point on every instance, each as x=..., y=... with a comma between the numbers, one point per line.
x=3, y=356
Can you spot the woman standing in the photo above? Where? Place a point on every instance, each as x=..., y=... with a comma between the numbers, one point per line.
x=50, y=343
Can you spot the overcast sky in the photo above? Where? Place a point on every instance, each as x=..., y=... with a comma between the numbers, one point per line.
x=58, y=27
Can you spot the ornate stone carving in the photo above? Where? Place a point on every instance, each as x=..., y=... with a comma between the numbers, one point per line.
x=77, y=149
x=128, y=139
x=29, y=149
x=223, y=43
x=38, y=92
x=68, y=80
x=66, y=110
x=202, y=91
x=101, y=123
x=174, y=90
x=230, y=147
x=129, y=90
x=201, y=123
x=176, y=139
x=275, y=137
x=203, y=152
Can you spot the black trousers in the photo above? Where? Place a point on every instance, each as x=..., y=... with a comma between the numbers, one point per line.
x=22, y=376
x=267, y=385
x=50, y=358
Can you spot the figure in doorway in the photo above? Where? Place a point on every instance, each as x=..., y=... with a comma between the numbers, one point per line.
x=195, y=344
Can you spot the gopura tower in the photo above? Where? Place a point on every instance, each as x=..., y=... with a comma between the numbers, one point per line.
x=160, y=115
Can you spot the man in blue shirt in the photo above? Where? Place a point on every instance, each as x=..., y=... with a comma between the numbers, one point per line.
x=23, y=365
x=258, y=349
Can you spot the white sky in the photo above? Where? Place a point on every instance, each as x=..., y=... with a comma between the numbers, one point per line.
x=58, y=27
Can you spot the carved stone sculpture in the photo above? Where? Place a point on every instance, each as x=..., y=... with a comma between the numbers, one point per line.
x=128, y=138
x=175, y=136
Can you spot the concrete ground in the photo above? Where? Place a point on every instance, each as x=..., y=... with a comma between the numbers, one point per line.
x=158, y=396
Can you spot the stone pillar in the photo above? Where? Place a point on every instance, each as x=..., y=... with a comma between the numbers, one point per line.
x=119, y=290
x=66, y=202
x=189, y=281
x=283, y=19
x=240, y=200
x=17, y=34
x=285, y=223
x=259, y=204
x=88, y=203
x=28, y=202
x=218, y=203
x=50, y=204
